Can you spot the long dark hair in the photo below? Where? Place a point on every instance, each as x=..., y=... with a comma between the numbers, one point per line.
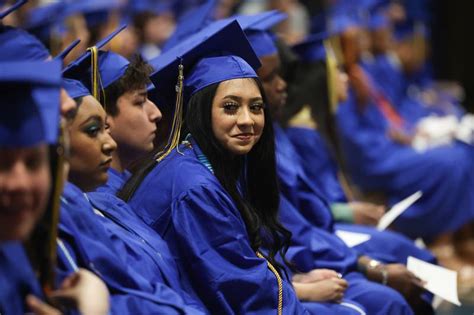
x=309, y=86
x=257, y=196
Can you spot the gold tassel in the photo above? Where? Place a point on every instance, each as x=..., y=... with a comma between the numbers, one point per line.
x=96, y=82
x=175, y=134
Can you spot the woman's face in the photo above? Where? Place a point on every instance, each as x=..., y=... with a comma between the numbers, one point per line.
x=238, y=115
x=24, y=189
x=91, y=146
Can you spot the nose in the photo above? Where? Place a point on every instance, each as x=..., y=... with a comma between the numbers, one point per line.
x=17, y=180
x=154, y=113
x=108, y=145
x=244, y=117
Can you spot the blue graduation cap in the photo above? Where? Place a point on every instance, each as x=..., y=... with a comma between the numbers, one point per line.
x=312, y=48
x=45, y=20
x=191, y=22
x=377, y=18
x=98, y=69
x=257, y=28
x=30, y=104
x=75, y=88
x=67, y=50
x=95, y=11
x=205, y=58
x=12, y=8
x=18, y=45
x=212, y=57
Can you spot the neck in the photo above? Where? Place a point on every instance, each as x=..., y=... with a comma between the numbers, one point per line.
x=117, y=162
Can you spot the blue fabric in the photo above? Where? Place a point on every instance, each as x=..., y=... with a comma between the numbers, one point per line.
x=17, y=279
x=262, y=43
x=184, y=202
x=443, y=174
x=75, y=88
x=115, y=182
x=91, y=245
x=318, y=163
x=18, y=45
x=312, y=147
x=29, y=108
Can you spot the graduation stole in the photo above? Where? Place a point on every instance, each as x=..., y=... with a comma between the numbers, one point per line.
x=385, y=107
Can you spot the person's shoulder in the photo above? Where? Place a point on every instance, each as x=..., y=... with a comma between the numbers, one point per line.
x=179, y=172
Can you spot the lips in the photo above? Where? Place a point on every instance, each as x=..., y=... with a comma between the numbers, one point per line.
x=106, y=163
x=244, y=136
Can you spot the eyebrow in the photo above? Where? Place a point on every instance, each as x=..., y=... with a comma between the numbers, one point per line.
x=239, y=99
x=95, y=117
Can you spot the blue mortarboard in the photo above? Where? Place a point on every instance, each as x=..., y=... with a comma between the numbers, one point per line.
x=75, y=88
x=312, y=47
x=154, y=6
x=18, y=45
x=30, y=103
x=110, y=66
x=12, y=8
x=67, y=50
x=377, y=18
x=191, y=22
x=43, y=20
x=211, y=55
x=95, y=11
x=257, y=28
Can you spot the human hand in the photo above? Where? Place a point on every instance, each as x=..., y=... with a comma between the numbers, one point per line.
x=327, y=290
x=366, y=213
x=315, y=275
x=404, y=281
x=85, y=291
x=39, y=307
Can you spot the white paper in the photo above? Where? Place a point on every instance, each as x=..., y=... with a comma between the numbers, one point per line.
x=439, y=281
x=397, y=210
x=352, y=238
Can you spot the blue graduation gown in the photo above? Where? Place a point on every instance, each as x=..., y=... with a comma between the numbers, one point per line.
x=386, y=246
x=142, y=248
x=17, y=279
x=89, y=245
x=377, y=163
x=312, y=247
x=185, y=203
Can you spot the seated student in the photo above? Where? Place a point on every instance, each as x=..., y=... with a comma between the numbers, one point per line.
x=215, y=214
x=135, y=288
x=373, y=134
x=132, y=124
x=307, y=113
x=29, y=120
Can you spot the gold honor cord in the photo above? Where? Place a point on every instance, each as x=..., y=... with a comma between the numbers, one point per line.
x=279, y=281
x=175, y=134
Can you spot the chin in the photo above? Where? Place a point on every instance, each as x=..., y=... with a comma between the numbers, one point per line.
x=17, y=232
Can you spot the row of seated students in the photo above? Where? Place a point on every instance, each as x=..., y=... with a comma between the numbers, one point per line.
x=227, y=217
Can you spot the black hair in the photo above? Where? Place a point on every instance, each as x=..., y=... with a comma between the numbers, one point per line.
x=136, y=77
x=308, y=86
x=258, y=200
